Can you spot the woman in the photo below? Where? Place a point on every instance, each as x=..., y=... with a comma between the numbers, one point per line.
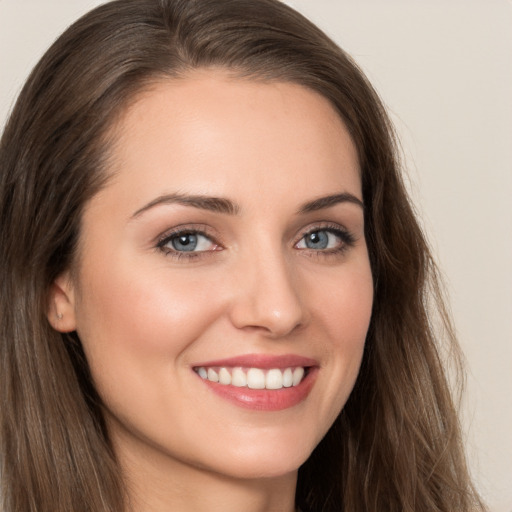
x=214, y=289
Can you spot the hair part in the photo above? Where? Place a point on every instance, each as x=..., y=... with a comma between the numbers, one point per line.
x=395, y=446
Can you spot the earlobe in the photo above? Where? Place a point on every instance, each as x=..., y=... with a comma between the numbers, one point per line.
x=61, y=304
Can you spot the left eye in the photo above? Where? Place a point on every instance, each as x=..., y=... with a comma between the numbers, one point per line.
x=320, y=239
x=189, y=242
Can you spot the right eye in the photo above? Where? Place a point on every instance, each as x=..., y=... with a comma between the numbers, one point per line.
x=187, y=241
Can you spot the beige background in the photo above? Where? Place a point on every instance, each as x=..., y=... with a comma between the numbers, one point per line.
x=444, y=69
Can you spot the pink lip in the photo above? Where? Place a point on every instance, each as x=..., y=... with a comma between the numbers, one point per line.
x=263, y=361
x=264, y=399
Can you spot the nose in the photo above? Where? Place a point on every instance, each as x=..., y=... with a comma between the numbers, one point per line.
x=267, y=296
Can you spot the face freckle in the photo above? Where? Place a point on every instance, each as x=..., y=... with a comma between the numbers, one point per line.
x=233, y=231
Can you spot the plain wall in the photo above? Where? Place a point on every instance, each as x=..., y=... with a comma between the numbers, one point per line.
x=444, y=69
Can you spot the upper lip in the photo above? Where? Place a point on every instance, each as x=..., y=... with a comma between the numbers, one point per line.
x=263, y=361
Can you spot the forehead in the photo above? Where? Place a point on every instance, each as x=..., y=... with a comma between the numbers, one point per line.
x=213, y=134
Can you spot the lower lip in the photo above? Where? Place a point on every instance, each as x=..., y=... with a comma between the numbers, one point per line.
x=265, y=399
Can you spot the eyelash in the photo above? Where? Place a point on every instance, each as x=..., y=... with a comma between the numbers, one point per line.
x=346, y=238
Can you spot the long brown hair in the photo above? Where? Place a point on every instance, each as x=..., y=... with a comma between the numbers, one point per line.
x=396, y=445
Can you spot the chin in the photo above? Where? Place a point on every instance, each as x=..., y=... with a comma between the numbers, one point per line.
x=270, y=460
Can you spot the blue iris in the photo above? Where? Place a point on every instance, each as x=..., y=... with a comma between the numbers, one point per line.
x=317, y=240
x=185, y=242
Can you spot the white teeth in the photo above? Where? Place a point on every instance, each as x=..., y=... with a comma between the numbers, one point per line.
x=253, y=378
x=224, y=376
x=298, y=373
x=239, y=379
x=213, y=375
x=288, y=378
x=274, y=379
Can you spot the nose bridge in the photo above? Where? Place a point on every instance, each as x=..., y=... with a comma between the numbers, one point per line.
x=267, y=294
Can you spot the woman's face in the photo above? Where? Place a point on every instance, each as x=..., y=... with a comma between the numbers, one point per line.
x=229, y=244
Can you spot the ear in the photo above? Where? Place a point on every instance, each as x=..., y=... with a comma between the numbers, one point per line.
x=61, y=304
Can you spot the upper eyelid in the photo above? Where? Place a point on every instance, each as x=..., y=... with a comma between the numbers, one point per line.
x=199, y=229
x=208, y=231
x=321, y=226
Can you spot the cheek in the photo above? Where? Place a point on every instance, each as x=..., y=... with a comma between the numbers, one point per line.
x=128, y=318
x=344, y=305
x=354, y=298
x=136, y=331
x=342, y=308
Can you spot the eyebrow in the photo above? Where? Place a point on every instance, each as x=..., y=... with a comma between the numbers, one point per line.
x=213, y=204
x=328, y=201
x=228, y=207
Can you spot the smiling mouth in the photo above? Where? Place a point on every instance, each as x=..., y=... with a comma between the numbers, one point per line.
x=254, y=378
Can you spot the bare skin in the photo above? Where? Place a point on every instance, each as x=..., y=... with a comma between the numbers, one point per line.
x=172, y=278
